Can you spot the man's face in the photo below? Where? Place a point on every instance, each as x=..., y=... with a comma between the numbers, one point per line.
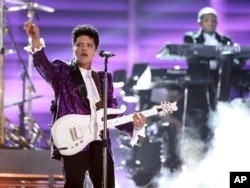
x=84, y=51
x=208, y=23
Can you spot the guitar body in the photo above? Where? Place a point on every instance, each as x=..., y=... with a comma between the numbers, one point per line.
x=72, y=133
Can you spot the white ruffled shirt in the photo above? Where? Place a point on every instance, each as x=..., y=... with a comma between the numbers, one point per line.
x=93, y=94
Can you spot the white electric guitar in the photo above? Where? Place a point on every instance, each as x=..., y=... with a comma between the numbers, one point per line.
x=71, y=133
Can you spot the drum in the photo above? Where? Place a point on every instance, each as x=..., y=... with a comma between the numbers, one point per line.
x=33, y=138
x=12, y=137
x=35, y=135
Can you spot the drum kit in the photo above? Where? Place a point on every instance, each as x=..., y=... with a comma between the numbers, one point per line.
x=28, y=134
x=32, y=137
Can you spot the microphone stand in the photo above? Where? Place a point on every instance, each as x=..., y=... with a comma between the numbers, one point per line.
x=105, y=142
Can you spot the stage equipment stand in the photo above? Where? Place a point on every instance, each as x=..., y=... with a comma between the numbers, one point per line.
x=225, y=61
x=29, y=88
x=1, y=73
x=30, y=16
x=24, y=76
x=184, y=115
x=105, y=99
x=105, y=142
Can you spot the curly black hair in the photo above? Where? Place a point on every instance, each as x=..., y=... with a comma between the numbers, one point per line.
x=88, y=30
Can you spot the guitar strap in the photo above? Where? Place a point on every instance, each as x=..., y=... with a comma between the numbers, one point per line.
x=97, y=81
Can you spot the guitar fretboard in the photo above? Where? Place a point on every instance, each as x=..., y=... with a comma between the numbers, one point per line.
x=129, y=118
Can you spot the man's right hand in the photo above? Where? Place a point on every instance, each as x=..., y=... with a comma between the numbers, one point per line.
x=33, y=31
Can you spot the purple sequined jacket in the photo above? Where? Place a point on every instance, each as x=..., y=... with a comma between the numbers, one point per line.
x=57, y=74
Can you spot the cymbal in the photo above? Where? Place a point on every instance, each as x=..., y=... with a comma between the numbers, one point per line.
x=27, y=6
x=11, y=9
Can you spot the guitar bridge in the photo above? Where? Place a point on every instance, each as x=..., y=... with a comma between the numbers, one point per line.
x=75, y=133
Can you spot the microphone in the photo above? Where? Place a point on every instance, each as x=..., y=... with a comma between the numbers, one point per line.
x=106, y=54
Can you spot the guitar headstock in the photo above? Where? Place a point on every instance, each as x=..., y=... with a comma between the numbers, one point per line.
x=168, y=107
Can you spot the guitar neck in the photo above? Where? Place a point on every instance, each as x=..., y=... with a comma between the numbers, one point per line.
x=129, y=118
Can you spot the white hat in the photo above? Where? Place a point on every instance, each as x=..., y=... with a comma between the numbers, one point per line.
x=206, y=10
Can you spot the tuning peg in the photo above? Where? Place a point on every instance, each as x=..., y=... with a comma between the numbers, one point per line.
x=168, y=107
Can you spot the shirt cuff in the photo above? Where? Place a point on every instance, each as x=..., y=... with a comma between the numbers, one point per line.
x=136, y=134
x=29, y=48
